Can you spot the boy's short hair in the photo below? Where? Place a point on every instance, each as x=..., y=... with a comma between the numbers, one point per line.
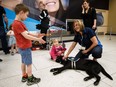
x=21, y=7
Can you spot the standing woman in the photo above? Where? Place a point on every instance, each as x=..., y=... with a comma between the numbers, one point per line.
x=88, y=15
x=87, y=38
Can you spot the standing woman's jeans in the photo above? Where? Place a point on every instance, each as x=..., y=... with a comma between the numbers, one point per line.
x=4, y=41
x=96, y=53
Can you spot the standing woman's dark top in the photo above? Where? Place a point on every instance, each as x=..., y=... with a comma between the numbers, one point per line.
x=88, y=18
x=88, y=15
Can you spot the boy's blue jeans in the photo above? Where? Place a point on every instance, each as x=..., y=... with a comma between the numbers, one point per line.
x=26, y=56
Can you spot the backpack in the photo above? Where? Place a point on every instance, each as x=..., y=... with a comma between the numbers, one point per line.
x=100, y=18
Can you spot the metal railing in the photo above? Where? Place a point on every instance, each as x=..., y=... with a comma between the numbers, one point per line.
x=106, y=32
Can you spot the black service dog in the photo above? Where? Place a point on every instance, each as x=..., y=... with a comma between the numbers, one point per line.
x=92, y=68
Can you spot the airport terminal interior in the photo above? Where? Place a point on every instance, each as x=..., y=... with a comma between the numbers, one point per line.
x=62, y=30
x=10, y=73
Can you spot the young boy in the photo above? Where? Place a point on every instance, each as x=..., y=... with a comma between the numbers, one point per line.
x=23, y=40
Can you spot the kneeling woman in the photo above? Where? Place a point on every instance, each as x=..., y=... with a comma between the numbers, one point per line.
x=87, y=38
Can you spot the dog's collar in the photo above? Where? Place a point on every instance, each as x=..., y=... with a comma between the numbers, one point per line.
x=73, y=62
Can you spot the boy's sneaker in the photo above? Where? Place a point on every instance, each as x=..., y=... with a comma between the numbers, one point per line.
x=33, y=80
x=24, y=79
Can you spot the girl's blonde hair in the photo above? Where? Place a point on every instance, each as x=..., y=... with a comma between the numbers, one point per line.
x=54, y=41
x=80, y=23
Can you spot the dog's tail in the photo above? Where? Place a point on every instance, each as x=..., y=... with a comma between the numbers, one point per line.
x=106, y=74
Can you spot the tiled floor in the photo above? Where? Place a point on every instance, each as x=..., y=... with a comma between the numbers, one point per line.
x=10, y=72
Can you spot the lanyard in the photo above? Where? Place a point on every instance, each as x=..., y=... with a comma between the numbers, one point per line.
x=82, y=41
x=82, y=47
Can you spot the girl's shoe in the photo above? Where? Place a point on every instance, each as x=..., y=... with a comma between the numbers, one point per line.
x=12, y=53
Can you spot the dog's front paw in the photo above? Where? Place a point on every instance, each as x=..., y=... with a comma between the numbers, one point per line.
x=86, y=79
x=96, y=83
x=55, y=73
x=52, y=70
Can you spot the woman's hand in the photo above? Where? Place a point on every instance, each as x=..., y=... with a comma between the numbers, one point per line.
x=82, y=7
x=59, y=53
x=94, y=27
x=85, y=51
x=65, y=57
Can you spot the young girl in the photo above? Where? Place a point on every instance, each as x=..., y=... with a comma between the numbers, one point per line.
x=12, y=40
x=56, y=50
